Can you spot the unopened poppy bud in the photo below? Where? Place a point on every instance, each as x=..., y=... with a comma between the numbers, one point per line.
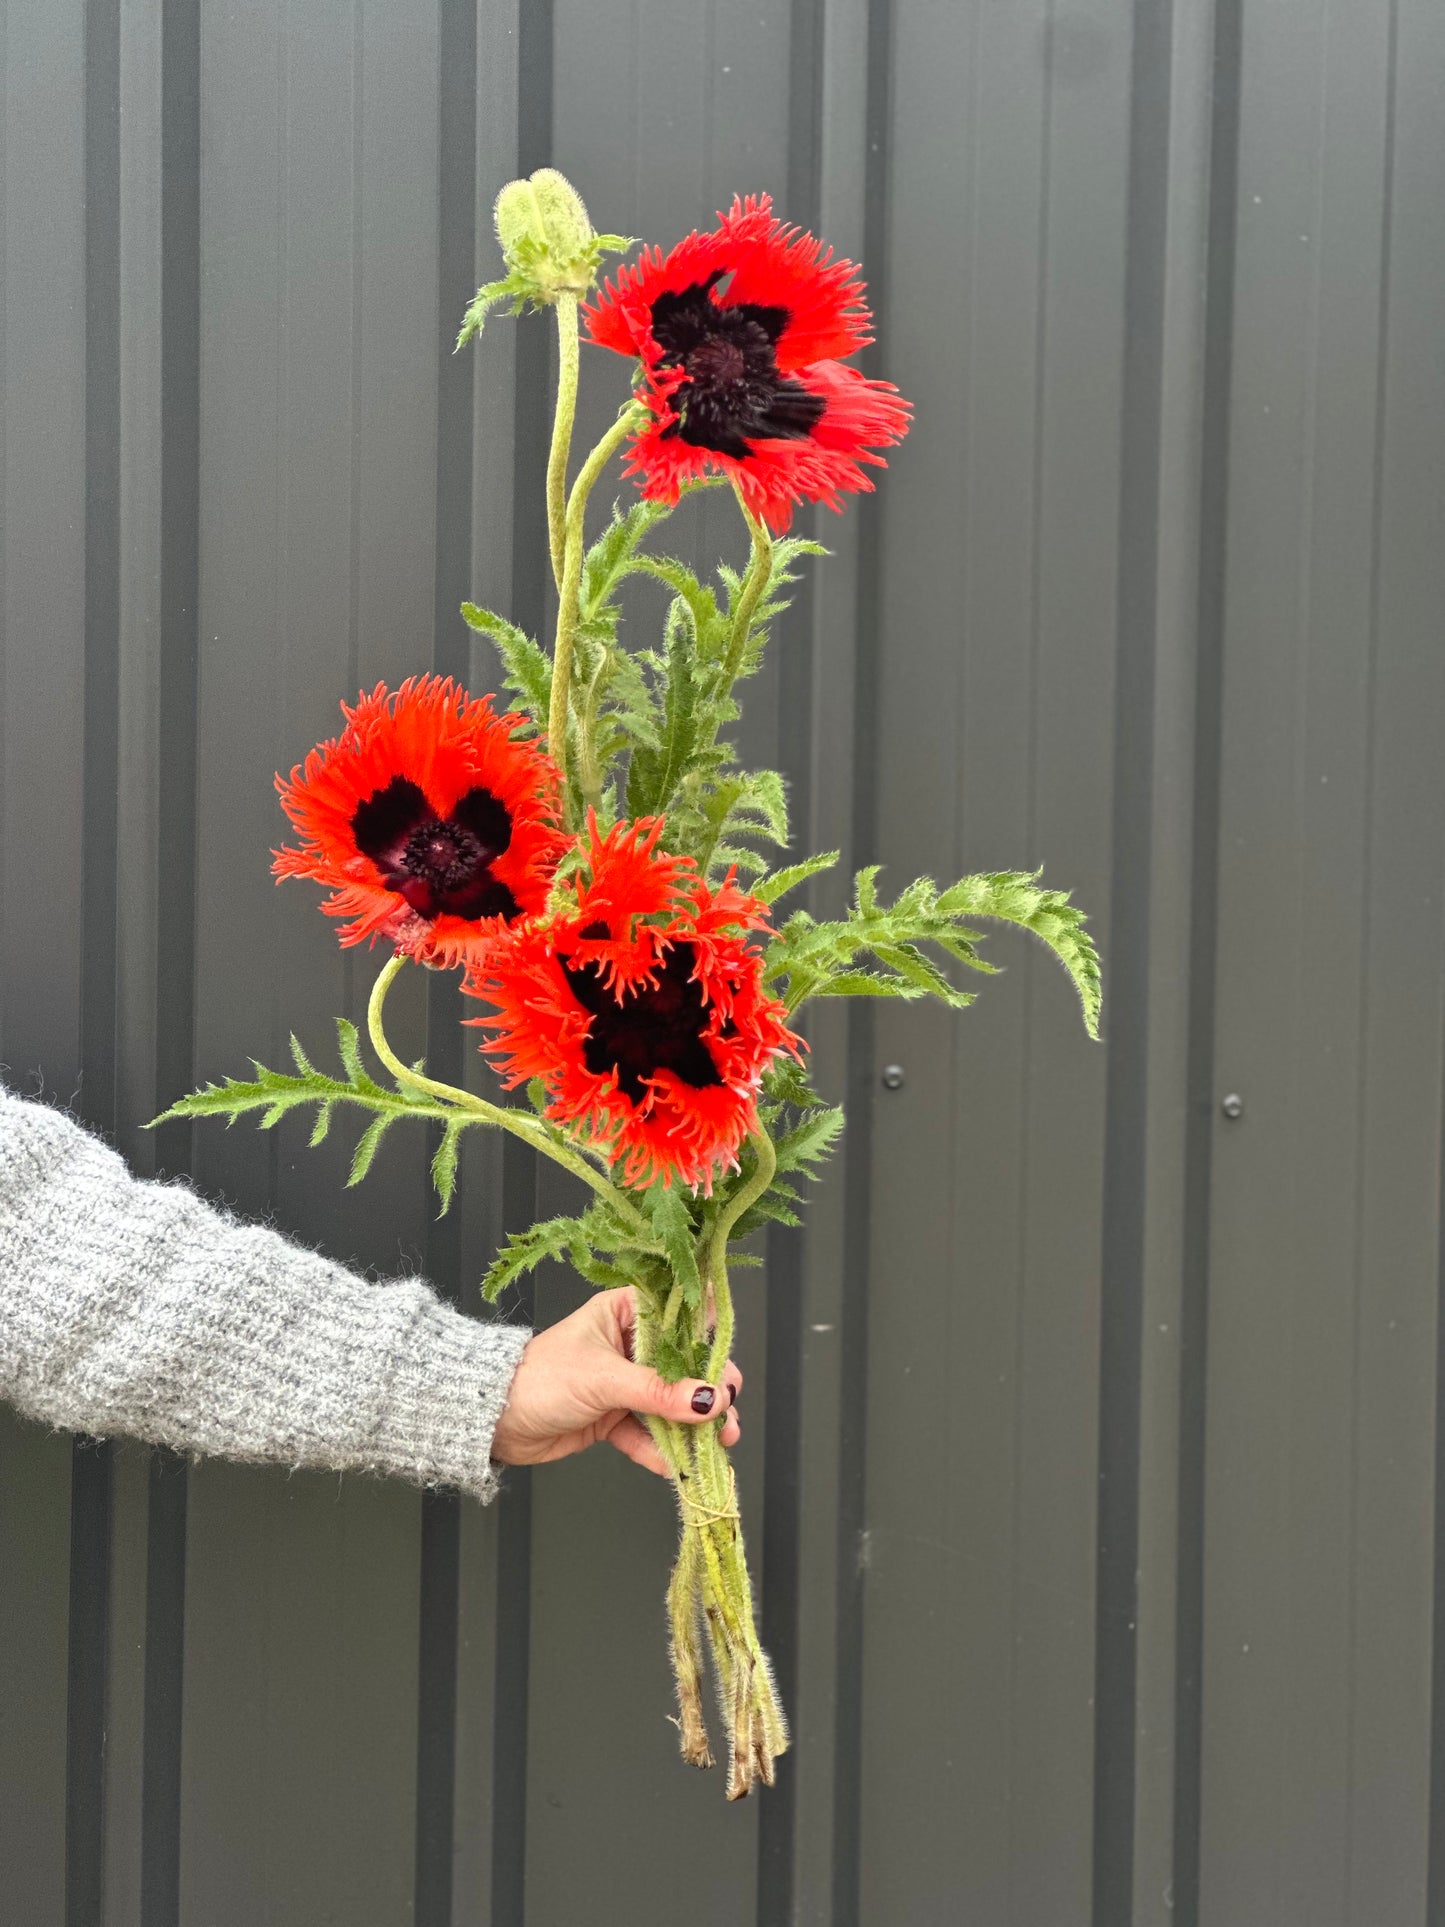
x=548, y=243
x=548, y=212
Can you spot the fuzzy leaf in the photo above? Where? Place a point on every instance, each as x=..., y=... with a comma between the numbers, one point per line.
x=673, y=1223
x=525, y=1250
x=366, y=1149
x=810, y=1141
x=672, y=1360
x=348, y=1043
x=444, y=1164
x=771, y=888
x=1013, y=896
x=527, y=671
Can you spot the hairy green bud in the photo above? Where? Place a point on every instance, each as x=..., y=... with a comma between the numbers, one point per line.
x=548, y=244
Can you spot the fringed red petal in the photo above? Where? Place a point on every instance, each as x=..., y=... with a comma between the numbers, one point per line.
x=437, y=749
x=769, y=317
x=686, y=985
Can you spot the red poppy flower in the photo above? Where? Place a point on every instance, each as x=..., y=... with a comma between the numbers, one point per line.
x=641, y=1008
x=740, y=333
x=433, y=827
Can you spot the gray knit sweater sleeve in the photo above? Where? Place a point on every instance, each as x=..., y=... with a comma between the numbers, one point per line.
x=135, y=1307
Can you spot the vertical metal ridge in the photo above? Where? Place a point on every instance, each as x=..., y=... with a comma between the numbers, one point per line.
x=160, y=1845
x=858, y=1154
x=102, y=560
x=783, y=1436
x=90, y=1479
x=176, y=857
x=530, y=569
x=86, y=1671
x=440, y=1573
x=1369, y=882
x=180, y=561
x=1126, y=1111
x=1204, y=916
x=436, y=1722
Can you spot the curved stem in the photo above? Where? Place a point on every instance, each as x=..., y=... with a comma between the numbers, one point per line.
x=567, y=366
x=527, y=1128
x=589, y=775
x=717, y=1263
x=571, y=582
x=754, y=582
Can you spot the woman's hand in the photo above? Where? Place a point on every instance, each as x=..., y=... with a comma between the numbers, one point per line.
x=577, y=1383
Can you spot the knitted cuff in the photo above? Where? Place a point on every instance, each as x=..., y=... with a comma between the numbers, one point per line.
x=449, y=1384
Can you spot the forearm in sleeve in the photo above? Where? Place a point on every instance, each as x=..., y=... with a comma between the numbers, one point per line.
x=132, y=1307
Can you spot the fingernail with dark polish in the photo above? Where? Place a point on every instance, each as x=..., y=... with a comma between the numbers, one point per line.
x=704, y=1398
x=732, y=1395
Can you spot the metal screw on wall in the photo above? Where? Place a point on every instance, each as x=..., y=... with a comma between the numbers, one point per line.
x=893, y=1077
x=1233, y=1105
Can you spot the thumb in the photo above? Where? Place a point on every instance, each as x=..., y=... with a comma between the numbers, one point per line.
x=636, y=1388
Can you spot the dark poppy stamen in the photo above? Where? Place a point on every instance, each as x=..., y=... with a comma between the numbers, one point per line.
x=734, y=392
x=439, y=865
x=657, y=1027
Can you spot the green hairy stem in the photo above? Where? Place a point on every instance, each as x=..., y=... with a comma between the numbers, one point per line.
x=759, y=568
x=710, y=1588
x=571, y=583
x=530, y=1129
x=567, y=371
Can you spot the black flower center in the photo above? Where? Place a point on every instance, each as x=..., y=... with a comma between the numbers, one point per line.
x=438, y=864
x=658, y=1027
x=734, y=392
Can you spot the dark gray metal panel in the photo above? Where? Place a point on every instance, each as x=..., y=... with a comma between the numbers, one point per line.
x=42, y=719
x=42, y=685
x=318, y=403
x=1323, y=1238
x=995, y=747
x=1043, y=296
x=300, y=1700
x=34, y=1619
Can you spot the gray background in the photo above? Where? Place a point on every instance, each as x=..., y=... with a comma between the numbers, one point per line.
x=1091, y=1453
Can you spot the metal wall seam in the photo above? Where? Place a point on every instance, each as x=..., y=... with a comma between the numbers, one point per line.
x=1127, y=1032
x=176, y=832
x=437, y=1675
x=90, y=1507
x=511, y=1699
x=858, y=1150
x=1169, y=805
x=794, y=645
x=1218, y=347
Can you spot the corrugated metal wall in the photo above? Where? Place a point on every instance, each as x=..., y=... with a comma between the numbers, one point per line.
x=1092, y=1451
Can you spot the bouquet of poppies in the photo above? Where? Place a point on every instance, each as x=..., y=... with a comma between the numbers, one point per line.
x=604, y=874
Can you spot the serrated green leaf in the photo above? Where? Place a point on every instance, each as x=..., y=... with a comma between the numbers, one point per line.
x=780, y=882
x=366, y=1149
x=444, y=1164
x=527, y=671
x=673, y=1224
x=348, y=1043
x=525, y=1250
x=810, y=1140
x=514, y=288
x=1013, y=896
x=866, y=983
x=786, y=1082
x=321, y=1126
x=672, y=1360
